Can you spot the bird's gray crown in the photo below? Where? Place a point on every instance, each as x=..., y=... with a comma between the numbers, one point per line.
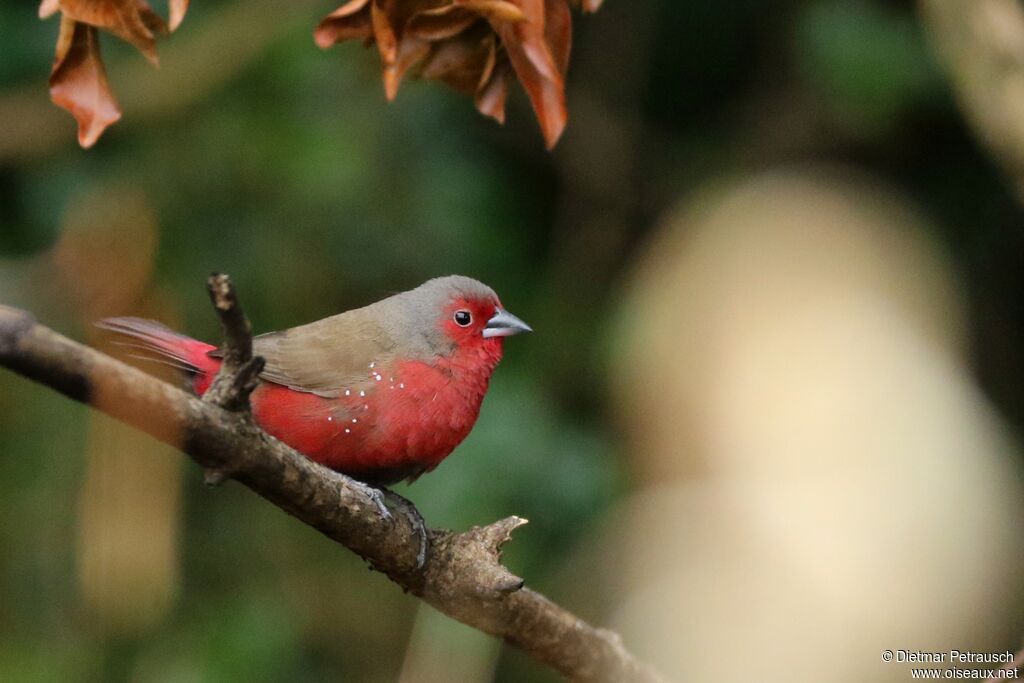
x=442, y=289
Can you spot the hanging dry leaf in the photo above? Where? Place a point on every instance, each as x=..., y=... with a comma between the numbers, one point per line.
x=47, y=8
x=347, y=22
x=78, y=81
x=177, y=9
x=538, y=63
x=472, y=45
x=131, y=20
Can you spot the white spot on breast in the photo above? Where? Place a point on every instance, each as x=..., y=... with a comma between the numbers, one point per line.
x=347, y=392
x=401, y=385
x=330, y=418
x=377, y=377
x=362, y=393
x=354, y=420
x=347, y=430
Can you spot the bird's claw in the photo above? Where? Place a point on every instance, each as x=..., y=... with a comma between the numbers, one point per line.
x=377, y=496
x=419, y=525
x=380, y=495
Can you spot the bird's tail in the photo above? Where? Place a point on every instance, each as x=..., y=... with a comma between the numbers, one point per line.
x=157, y=342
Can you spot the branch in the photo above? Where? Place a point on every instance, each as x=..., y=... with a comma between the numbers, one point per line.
x=239, y=371
x=462, y=577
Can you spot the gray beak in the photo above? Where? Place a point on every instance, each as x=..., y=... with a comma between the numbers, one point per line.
x=504, y=324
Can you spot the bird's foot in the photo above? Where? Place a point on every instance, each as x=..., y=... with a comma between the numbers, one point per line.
x=380, y=498
x=377, y=496
x=419, y=525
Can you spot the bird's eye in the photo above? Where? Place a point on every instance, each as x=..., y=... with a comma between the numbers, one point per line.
x=463, y=318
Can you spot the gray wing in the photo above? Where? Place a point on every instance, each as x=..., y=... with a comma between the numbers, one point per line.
x=328, y=356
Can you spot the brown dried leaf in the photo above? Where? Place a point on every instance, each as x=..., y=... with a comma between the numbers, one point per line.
x=410, y=51
x=47, y=8
x=78, y=81
x=490, y=99
x=471, y=45
x=347, y=22
x=494, y=10
x=463, y=64
x=131, y=20
x=384, y=32
x=536, y=67
x=471, y=65
x=558, y=33
x=441, y=23
x=176, y=9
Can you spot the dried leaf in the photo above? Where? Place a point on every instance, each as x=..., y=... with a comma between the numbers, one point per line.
x=490, y=100
x=471, y=45
x=399, y=50
x=536, y=67
x=529, y=38
x=494, y=10
x=176, y=9
x=410, y=51
x=384, y=32
x=442, y=23
x=347, y=22
x=47, y=8
x=78, y=81
x=131, y=20
x=463, y=64
x=558, y=33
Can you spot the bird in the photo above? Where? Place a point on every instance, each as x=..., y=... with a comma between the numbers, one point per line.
x=382, y=393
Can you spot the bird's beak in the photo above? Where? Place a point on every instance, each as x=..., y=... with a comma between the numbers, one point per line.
x=504, y=324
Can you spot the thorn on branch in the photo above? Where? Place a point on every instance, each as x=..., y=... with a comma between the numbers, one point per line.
x=494, y=580
x=509, y=584
x=239, y=371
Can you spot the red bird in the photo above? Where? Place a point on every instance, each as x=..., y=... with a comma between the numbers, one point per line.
x=380, y=393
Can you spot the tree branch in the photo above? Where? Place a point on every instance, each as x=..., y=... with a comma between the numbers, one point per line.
x=462, y=577
x=239, y=371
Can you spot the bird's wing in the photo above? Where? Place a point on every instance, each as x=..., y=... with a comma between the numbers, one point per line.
x=327, y=356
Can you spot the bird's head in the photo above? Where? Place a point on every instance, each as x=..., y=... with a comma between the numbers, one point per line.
x=463, y=313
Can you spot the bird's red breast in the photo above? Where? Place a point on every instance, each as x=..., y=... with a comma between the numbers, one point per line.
x=381, y=393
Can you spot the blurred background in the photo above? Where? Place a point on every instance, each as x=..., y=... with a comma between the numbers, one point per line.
x=767, y=426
